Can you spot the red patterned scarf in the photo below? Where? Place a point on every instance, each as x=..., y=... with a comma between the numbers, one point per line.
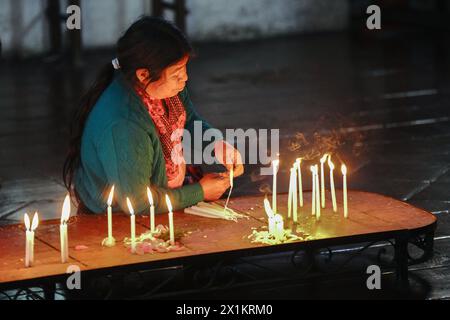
x=170, y=127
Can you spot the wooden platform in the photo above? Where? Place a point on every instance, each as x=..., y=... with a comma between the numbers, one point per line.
x=372, y=217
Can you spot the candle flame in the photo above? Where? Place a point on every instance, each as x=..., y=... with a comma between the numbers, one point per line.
x=344, y=169
x=35, y=222
x=268, y=209
x=149, y=196
x=65, y=209
x=330, y=164
x=130, y=207
x=324, y=158
x=298, y=161
x=26, y=219
x=169, y=204
x=110, y=197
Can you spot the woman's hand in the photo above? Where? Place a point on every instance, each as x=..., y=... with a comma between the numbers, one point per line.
x=214, y=185
x=230, y=157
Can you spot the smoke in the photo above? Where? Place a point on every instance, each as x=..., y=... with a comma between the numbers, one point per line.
x=329, y=135
x=311, y=145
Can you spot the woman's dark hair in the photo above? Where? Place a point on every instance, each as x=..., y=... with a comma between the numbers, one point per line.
x=151, y=43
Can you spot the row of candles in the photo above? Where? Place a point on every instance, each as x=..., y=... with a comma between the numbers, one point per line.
x=275, y=220
x=110, y=241
x=317, y=197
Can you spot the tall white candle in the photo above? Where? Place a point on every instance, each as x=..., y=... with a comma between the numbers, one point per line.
x=152, y=210
x=275, y=164
x=63, y=237
x=300, y=183
x=110, y=200
x=291, y=190
x=270, y=216
x=28, y=240
x=28, y=249
x=294, y=192
x=333, y=191
x=316, y=171
x=313, y=191
x=322, y=179
x=34, y=226
x=133, y=226
x=344, y=189
x=171, y=227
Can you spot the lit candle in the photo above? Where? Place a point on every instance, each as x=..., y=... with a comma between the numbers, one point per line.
x=294, y=192
x=133, y=226
x=270, y=215
x=275, y=164
x=333, y=191
x=300, y=183
x=316, y=171
x=313, y=191
x=322, y=179
x=63, y=237
x=171, y=230
x=152, y=210
x=29, y=244
x=110, y=241
x=344, y=188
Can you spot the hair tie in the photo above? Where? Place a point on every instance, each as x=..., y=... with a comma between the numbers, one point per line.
x=115, y=63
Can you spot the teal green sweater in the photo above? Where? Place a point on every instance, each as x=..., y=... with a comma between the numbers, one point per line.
x=120, y=145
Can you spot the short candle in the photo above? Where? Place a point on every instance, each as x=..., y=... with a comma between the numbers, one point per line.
x=29, y=244
x=270, y=216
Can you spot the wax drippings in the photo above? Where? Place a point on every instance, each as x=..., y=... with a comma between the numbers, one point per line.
x=265, y=237
x=157, y=241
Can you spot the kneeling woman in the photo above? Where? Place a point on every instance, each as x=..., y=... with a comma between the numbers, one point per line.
x=125, y=132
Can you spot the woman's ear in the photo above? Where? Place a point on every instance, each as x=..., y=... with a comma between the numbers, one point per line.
x=143, y=76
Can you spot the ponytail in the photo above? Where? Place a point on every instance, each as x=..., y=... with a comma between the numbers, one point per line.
x=104, y=78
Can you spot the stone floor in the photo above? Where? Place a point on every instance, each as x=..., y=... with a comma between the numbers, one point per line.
x=389, y=92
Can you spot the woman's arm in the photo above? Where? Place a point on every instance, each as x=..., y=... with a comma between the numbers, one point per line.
x=127, y=155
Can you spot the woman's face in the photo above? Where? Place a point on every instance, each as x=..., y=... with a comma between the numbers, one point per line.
x=173, y=80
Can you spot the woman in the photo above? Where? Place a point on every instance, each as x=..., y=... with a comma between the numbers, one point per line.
x=126, y=132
